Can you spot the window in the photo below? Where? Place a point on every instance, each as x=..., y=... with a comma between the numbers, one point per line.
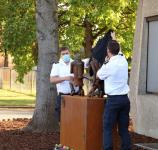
x=152, y=56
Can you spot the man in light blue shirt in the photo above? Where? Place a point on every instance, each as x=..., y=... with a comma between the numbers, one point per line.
x=115, y=75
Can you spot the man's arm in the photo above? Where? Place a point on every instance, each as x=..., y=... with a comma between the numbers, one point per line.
x=57, y=79
x=104, y=72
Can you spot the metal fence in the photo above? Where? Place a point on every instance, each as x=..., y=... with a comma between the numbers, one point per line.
x=8, y=81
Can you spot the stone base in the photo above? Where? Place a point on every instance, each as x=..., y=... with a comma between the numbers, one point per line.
x=147, y=146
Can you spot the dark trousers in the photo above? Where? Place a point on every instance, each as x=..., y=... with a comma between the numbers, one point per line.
x=58, y=107
x=116, y=111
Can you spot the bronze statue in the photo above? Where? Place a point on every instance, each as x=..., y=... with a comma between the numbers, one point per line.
x=99, y=52
x=96, y=83
x=77, y=68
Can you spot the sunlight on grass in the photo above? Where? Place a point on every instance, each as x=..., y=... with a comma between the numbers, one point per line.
x=9, y=98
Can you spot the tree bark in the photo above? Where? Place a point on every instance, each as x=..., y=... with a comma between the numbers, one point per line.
x=35, y=52
x=88, y=38
x=47, y=36
x=5, y=58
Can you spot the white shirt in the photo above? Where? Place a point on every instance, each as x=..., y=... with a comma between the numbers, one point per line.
x=115, y=75
x=62, y=69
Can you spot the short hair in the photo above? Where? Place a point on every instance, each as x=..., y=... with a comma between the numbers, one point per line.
x=113, y=47
x=64, y=48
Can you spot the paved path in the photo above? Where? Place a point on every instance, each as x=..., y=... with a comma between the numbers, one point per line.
x=10, y=113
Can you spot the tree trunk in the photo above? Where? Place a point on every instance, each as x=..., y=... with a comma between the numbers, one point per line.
x=35, y=52
x=47, y=36
x=88, y=38
x=5, y=58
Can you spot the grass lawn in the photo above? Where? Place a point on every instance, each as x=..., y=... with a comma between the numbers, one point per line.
x=9, y=98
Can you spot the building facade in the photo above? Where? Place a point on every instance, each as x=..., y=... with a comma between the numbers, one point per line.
x=144, y=72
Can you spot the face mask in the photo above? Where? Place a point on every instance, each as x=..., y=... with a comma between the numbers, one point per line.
x=66, y=58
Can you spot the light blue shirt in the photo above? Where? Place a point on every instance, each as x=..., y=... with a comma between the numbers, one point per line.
x=115, y=75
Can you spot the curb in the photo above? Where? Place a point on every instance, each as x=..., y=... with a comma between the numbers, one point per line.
x=31, y=107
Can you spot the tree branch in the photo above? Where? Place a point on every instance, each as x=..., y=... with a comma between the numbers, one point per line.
x=100, y=32
x=61, y=13
x=64, y=23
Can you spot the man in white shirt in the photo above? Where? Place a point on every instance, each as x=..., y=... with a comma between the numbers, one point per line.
x=61, y=76
x=115, y=76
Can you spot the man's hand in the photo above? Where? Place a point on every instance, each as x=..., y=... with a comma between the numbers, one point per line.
x=106, y=59
x=69, y=78
x=113, y=36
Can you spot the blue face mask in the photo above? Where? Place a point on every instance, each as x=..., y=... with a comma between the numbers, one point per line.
x=66, y=58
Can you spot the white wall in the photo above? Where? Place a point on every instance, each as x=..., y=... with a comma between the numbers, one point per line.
x=144, y=106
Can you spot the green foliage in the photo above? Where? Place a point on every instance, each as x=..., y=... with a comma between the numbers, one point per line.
x=3, y=9
x=17, y=26
x=126, y=28
x=102, y=15
x=19, y=34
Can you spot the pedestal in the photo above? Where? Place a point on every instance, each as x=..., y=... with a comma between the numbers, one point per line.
x=81, y=122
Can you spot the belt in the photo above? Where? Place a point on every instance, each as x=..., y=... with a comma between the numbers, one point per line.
x=116, y=95
x=60, y=93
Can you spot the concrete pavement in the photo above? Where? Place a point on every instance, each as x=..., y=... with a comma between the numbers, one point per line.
x=10, y=113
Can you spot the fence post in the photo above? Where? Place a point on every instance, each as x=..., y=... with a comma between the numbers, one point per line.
x=10, y=78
